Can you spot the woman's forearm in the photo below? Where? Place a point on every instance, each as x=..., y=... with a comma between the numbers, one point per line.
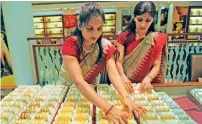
x=92, y=96
x=115, y=78
x=120, y=68
x=154, y=71
x=75, y=72
x=156, y=68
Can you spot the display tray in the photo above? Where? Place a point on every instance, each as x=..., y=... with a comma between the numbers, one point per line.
x=179, y=92
x=194, y=100
x=176, y=89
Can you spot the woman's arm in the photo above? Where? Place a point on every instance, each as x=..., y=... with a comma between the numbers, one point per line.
x=119, y=65
x=115, y=77
x=119, y=86
x=146, y=82
x=113, y=114
x=73, y=67
x=156, y=67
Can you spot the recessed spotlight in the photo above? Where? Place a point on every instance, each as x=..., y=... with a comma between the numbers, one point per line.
x=65, y=8
x=112, y=6
x=57, y=8
x=44, y=9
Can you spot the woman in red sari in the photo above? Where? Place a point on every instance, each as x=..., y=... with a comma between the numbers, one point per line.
x=143, y=52
x=85, y=54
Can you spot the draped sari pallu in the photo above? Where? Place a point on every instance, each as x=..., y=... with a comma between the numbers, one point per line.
x=90, y=65
x=139, y=61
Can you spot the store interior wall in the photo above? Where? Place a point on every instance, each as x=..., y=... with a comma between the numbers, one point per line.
x=119, y=14
x=18, y=21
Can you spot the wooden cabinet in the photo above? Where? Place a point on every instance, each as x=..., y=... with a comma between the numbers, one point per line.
x=110, y=24
x=194, y=23
x=49, y=26
x=195, y=19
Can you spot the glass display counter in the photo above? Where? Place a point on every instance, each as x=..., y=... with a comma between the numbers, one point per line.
x=166, y=103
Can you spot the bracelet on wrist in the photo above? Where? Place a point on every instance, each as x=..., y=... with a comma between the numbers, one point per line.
x=109, y=110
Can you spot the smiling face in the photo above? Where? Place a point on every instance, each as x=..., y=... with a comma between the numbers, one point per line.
x=143, y=22
x=93, y=29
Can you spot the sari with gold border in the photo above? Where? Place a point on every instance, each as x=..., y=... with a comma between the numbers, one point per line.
x=140, y=59
x=91, y=64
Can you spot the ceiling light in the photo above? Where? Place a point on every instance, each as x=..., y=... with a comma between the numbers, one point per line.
x=112, y=6
x=57, y=8
x=65, y=8
x=44, y=9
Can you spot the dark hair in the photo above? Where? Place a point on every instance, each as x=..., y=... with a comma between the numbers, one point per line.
x=86, y=12
x=141, y=8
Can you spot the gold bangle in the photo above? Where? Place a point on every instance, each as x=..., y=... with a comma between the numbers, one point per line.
x=109, y=110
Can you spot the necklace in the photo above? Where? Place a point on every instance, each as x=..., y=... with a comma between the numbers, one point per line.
x=89, y=50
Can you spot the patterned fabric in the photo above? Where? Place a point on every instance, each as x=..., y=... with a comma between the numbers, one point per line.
x=90, y=65
x=141, y=55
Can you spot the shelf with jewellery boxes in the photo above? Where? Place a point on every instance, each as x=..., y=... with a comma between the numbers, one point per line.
x=195, y=19
x=194, y=23
x=110, y=24
x=47, y=26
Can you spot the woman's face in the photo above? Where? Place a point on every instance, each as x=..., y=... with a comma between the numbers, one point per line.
x=143, y=22
x=92, y=31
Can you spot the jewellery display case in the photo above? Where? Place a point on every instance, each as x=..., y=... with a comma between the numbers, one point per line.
x=49, y=26
x=194, y=23
x=166, y=103
x=110, y=25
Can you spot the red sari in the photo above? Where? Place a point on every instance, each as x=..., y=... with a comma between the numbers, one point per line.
x=140, y=55
x=91, y=65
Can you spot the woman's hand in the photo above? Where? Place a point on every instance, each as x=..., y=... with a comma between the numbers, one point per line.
x=127, y=83
x=146, y=84
x=133, y=108
x=115, y=116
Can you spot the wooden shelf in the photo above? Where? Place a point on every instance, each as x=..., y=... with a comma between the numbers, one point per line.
x=195, y=15
x=38, y=28
x=47, y=24
x=109, y=32
x=39, y=34
x=53, y=22
x=194, y=32
x=194, y=24
x=109, y=19
x=38, y=22
x=109, y=25
x=54, y=28
x=192, y=13
x=53, y=33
